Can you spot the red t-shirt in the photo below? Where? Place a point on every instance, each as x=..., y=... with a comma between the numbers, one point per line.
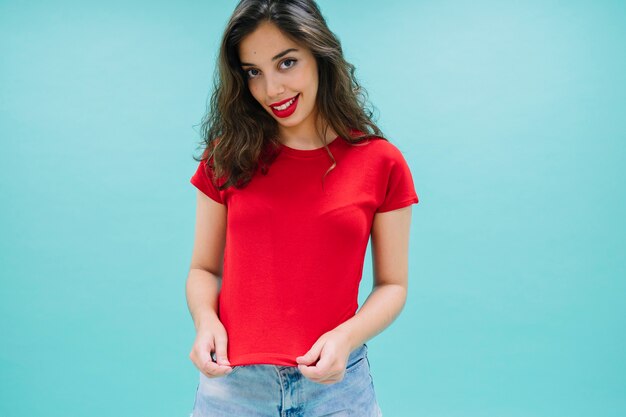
x=294, y=251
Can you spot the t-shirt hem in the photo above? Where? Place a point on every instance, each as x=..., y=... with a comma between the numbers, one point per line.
x=265, y=359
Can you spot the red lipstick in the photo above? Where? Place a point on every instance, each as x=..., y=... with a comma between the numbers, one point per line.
x=280, y=103
x=289, y=110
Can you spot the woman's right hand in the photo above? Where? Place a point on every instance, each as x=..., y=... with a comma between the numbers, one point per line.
x=211, y=337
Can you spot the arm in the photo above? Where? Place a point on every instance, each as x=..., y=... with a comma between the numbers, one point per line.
x=390, y=244
x=390, y=247
x=204, y=279
x=203, y=286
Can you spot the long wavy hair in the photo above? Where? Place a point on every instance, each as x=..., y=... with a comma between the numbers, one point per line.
x=238, y=135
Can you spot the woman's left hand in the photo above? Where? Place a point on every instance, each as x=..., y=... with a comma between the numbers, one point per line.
x=333, y=351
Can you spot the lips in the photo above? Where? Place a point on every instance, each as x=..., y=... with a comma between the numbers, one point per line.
x=280, y=103
x=289, y=110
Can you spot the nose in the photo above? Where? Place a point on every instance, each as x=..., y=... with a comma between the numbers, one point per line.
x=274, y=88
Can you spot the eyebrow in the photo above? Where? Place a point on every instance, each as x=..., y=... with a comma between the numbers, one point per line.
x=280, y=55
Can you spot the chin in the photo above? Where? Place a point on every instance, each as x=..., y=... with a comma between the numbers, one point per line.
x=290, y=122
x=287, y=124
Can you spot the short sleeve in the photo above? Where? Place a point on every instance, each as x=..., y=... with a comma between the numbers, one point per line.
x=202, y=182
x=400, y=190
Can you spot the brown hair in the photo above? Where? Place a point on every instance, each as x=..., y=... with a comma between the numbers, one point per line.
x=237, y=131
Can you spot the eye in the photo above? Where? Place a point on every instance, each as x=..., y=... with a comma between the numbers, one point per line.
x=248, y=73
x=290, y=60
x=251, y=76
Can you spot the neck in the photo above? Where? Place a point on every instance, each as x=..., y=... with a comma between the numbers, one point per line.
x=305, y=136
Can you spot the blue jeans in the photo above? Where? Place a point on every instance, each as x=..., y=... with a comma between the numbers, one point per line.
x=263, y=390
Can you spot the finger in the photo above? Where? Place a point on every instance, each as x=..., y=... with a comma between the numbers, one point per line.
x=199, y=356
x=312, y=372
x=209, y=367
x=324, y=371
x=204, y=355
x=315, y=375
x=212, y=369
x=221, y=343
x=325, y=361
x=311, y=356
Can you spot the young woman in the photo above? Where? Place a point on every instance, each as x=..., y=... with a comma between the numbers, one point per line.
x=294, y=179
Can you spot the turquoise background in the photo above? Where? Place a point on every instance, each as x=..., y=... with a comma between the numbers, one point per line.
x=510, y=114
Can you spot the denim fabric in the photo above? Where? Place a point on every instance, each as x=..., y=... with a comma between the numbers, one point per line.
x=263, y=390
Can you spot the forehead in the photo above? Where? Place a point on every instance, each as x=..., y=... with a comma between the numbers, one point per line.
x=263, y=43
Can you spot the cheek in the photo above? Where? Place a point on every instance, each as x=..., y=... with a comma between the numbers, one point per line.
x=311, y=81
x=312, y=91
x=256, y=93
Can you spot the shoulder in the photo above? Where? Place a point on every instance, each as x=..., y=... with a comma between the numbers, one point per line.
x=206, y=170
x=386, y=147
x=381, y=149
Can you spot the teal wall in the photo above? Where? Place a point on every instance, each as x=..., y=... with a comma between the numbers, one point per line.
x=510, y=114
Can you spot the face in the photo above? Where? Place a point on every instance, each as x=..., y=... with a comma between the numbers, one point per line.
x=278, y=69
